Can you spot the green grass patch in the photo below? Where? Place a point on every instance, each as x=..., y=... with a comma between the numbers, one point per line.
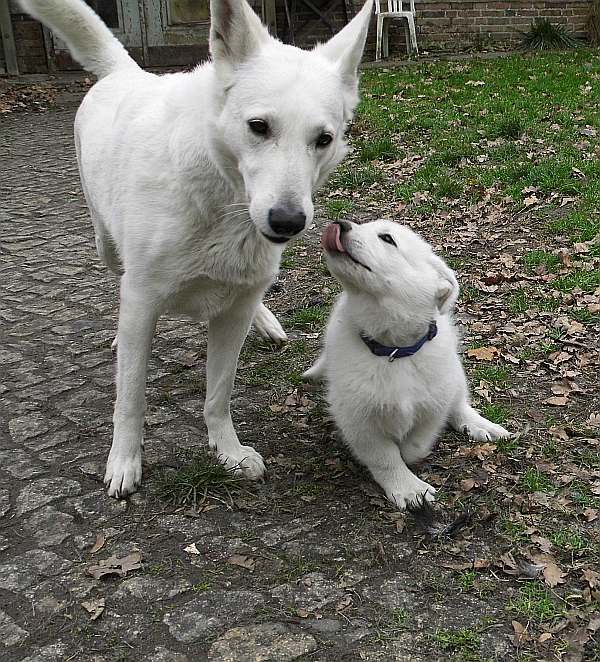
x=339, y=207
x=587, y=281
x=584, y=316
x=352, y=178
x=492, y=374
x=510, y=124
x=309, y=319
x=464, y=643
x=570, y=540
x=263, y=364
x=382, y=149
x=197, y=480
x=518, y=301
x=515, y=531
x=534, y=259
x=495, y=413
x=533, y=480
x=535, y=603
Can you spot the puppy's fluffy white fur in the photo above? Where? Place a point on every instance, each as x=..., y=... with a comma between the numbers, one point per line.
x=390, y=413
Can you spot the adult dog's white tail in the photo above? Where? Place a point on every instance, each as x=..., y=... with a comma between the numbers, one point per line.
x=90, y=42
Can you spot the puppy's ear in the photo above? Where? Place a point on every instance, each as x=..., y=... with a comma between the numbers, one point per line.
x=345, y=49
x=236, y=33
x=447, y=290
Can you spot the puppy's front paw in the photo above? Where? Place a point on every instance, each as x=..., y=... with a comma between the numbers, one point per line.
x=123, y=474
x=244, y=461
x=412, y=492
x=485, y=430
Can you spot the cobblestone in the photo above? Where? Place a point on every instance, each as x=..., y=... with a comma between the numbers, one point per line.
x=315, y=584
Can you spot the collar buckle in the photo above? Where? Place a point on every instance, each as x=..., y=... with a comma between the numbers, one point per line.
x=392, y=357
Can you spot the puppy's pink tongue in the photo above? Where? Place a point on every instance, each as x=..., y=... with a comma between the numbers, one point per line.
x=330, y=239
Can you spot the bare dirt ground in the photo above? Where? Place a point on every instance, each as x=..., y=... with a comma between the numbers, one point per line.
x=312, y=564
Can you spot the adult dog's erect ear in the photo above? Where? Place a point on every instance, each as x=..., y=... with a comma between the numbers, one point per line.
x=236, y=33
x=347, y=46
x=447, y=292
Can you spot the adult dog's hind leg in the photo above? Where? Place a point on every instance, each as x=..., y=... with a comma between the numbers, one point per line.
x=268, y=325
x=226, y=335
x=137, y=322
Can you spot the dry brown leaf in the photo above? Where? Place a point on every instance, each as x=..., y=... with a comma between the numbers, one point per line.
x=344, y=603
x=116, y=566
x=594, y=624
x=242, y=561
x=590, y=514
x=484, y=353
x=594, y=421
x=94, y=607
x=592, y=578
x=192, y=549
x=557, y=401
x=468, y=484
x=99, y=544
x=520, y=634
x=543, y=543
x=553, y=575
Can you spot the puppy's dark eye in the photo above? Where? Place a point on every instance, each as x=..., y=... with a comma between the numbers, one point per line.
x=324, y=139
x=259, y=127
x=388, y=239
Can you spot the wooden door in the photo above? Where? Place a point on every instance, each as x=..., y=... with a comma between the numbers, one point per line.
x=176, y=31
x=121, y=16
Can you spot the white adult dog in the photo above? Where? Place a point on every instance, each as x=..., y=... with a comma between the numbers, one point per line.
x=390, y=356
x=195, y=182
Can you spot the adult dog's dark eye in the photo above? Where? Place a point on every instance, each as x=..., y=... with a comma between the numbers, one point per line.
x=324, y=139
x=259, y=127
x=388, y=239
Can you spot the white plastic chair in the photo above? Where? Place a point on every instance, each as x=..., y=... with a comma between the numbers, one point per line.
x=395, y=9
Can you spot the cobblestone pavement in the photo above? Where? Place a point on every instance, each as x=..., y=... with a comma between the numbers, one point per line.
x=284, y=574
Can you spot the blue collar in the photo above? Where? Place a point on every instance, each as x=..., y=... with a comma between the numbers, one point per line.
x=399, y=352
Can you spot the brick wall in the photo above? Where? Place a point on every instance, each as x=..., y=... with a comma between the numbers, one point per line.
x=29, y=42
x=455, y=25
x=460, y=24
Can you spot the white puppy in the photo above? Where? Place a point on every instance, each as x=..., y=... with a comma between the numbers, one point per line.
x=390, y=357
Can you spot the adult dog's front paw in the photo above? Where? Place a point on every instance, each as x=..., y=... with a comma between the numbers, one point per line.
x=244, y=461
x=268, y=326
x=123, y=474
x=412, y=491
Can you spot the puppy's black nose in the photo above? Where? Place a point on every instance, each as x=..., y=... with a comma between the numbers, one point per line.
x=284, y=221
x=344, y=226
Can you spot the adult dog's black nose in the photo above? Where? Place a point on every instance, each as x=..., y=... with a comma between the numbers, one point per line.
x=286, y=222
x=344, y=226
